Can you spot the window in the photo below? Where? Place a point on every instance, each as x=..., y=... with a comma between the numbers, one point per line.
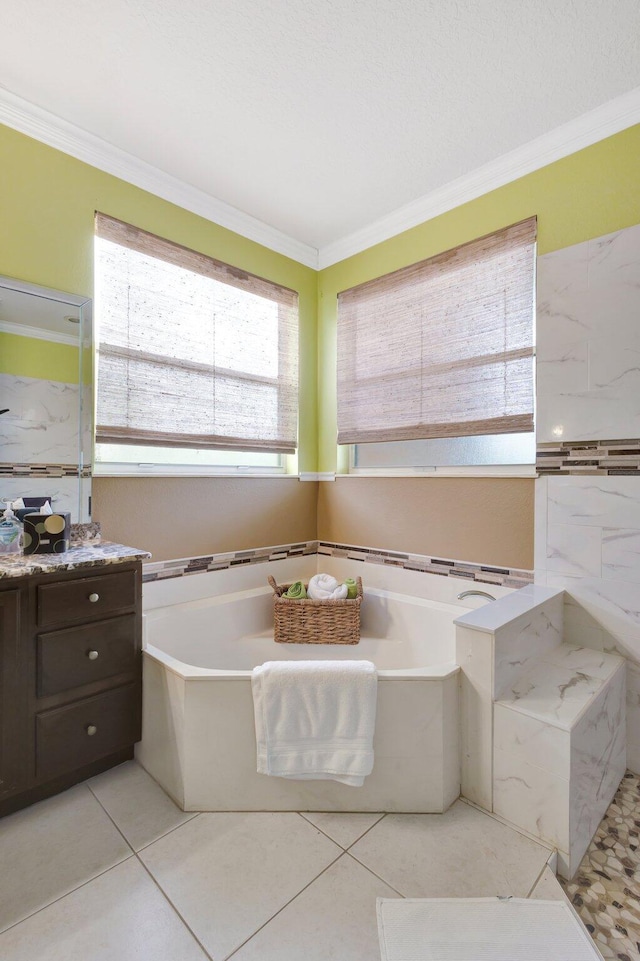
x=441, y=350
x=192, y=354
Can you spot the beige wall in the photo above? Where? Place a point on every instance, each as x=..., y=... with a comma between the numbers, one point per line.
x=188, y=517
x=485, y=520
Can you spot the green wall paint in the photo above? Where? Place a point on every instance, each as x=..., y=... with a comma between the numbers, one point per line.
x=585, y=195
x=44, y=359
x=46, y=236
x=47, y=206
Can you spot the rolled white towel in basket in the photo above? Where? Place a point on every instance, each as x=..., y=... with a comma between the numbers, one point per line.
x=324, y=587
x=315, y=719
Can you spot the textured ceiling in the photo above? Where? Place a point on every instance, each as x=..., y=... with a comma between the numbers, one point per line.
x=319, y=117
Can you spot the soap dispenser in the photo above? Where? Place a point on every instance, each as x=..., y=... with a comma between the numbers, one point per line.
x=10, y=531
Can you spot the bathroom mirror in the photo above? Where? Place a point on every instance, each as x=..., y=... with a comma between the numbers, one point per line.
x=46, y=396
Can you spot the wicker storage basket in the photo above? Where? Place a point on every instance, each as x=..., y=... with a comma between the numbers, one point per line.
x=315, y=622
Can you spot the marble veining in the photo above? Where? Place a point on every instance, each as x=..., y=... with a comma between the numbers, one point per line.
x=19, y=565
x=520, y=643
x=588, y=341
x=558, y=694
x=42, y=422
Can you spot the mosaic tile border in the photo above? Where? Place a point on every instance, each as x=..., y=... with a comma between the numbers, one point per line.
x=43, y=470
x=618, y=457
x=605, y=890
x=483, y=573
x=479, y=573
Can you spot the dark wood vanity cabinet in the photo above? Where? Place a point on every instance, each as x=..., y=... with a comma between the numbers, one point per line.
x=70, y=678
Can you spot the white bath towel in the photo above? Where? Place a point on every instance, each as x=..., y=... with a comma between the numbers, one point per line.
x=324, y=587
x=315, y=719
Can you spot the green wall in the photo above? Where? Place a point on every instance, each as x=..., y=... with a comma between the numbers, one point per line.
x=47, y=204
x=589, y=193
x=46, y=236
x=44, y=359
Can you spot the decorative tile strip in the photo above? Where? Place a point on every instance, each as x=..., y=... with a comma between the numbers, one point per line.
x=161, y=570
x=484, y=574
x=590, y=457
x=503, y=576
x=43, y=470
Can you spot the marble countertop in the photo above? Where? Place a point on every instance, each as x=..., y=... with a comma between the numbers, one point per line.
x=21, y=565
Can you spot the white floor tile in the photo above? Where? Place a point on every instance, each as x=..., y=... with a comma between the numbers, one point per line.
x=120, y=916
x=139, y=806
x=334, y=918
x=344, y=829
x=228, y=874
x=548, y=888
x=463, y=853
x=51, y=848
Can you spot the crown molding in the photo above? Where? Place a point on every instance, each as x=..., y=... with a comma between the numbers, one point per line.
x=29, y=119
x=597, y=124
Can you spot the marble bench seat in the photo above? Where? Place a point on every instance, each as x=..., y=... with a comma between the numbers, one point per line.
x=560, y=747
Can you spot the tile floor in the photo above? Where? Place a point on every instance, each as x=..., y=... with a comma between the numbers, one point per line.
x=111, y=869
x=605, y=890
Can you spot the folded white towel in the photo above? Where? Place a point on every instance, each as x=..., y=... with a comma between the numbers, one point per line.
x=315, y=719
x=324, y=587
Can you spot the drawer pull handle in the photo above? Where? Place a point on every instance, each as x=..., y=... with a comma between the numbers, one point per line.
x=94, y=597
x=92, y=655
x=91, y=729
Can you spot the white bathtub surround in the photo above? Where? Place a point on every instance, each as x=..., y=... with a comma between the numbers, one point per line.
x=560, y=748
x=598, y=519
x=315, y=720
x=494, y=645
x=543, y=732
x=198, y=728
x=588, y=340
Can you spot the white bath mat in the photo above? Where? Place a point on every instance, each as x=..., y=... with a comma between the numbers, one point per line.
x=481, y=929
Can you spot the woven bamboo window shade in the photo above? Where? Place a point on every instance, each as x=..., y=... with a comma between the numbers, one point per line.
x=443, y=348
x=191, y=352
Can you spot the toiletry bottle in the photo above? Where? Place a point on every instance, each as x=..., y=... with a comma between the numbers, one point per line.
x=10, y=531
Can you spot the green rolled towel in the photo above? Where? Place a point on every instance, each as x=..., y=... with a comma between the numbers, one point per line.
x=352, y=588
x=296, y=592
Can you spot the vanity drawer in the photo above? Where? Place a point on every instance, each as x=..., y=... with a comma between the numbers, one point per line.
x=70, y=737
x=81, y=655
x=86, y=597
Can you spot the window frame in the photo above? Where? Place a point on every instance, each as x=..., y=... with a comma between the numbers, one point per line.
x=281, y=458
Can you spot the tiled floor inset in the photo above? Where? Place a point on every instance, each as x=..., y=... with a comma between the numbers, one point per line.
x=605, y=891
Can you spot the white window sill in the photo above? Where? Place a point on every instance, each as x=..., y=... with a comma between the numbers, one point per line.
x=505, y=470
x=162, y=470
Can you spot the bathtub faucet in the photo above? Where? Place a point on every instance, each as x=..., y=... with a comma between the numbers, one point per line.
x=476, y=594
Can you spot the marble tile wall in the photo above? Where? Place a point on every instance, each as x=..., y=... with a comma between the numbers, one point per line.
x=588, y=340
x=62, y=490
x=521, y=642
x=587, y=528
x=588, y=543
x=559, y=748
x=42, y=422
